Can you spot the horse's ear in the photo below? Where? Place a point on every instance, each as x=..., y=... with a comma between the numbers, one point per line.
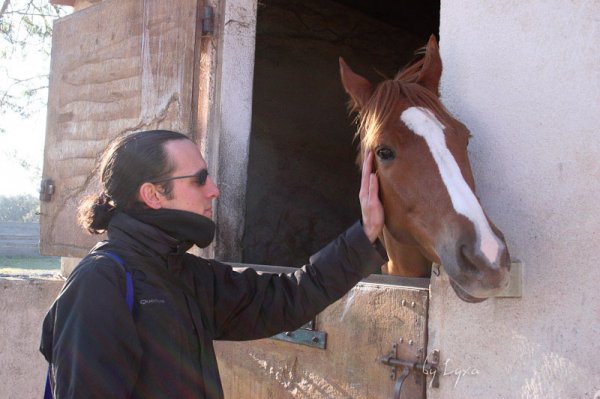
x=431, y=72
x=359, y=88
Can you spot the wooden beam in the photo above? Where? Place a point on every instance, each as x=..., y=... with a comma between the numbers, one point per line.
x=76, y=4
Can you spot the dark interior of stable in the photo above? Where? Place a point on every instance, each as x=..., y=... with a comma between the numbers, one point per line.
x=303, y=182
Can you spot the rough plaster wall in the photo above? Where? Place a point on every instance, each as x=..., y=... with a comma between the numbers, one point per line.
x=302, y=180
x=525, y=77
x=227, y=152
x=24, y=302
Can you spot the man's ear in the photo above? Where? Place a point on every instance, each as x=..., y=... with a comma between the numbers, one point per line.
x=150, y=195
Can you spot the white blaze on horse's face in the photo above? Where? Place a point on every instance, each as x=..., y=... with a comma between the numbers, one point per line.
x=424, y=123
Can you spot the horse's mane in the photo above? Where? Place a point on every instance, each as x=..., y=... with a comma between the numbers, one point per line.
x=386, y=101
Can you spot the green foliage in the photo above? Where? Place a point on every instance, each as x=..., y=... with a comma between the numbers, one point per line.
x=26, y=22
x=20, y=208
x=17, y=265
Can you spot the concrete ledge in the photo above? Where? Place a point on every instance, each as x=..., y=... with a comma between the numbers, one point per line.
x=24, y=300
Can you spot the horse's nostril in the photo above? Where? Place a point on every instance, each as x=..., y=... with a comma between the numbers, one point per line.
x=469, y=261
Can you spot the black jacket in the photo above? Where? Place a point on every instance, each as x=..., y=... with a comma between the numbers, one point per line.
x=163, y=348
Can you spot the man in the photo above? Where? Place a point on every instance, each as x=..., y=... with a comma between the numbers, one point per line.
x=156, y=203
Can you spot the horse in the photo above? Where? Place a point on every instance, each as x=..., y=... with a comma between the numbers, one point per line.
x=432, y=215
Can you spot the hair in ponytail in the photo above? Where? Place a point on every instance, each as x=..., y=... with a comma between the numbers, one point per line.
x=128, y=162
x=95, y=213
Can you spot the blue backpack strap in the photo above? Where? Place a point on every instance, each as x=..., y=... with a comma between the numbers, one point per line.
x=129, y=280
x=48, y=389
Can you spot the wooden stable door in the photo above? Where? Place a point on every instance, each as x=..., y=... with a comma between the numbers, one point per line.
x=117, y=67
x=378, y=316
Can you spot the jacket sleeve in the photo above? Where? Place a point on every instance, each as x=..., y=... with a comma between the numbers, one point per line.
x=89, y=335
x=248, y=305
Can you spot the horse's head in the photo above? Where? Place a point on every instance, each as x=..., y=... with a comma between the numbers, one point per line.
x=427, y=186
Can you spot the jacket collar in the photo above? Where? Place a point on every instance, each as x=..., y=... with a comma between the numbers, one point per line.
x=144, y=238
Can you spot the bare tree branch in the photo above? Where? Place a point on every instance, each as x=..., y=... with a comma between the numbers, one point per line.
x=29, y=14
x=26, y=27
x=4, y=7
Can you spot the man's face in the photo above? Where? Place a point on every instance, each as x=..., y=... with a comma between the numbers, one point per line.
x=188, y=194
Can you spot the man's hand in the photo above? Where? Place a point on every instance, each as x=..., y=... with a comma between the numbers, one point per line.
x=372, y=210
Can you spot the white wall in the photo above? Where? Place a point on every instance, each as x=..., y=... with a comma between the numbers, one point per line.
x=525, y=77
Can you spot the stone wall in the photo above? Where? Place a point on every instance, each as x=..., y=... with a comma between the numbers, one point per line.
x=24, y=301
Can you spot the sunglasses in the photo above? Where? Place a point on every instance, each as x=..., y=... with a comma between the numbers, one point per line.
x=200, y=177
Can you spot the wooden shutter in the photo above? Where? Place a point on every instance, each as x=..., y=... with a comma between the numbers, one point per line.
x=117, y=67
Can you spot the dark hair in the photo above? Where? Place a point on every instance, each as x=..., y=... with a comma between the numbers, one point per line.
x=127, y=163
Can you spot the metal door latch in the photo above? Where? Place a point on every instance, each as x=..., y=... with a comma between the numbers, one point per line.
x=427, y=367
x=46, y=190
x=208, y=21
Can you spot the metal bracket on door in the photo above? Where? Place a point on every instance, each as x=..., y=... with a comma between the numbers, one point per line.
x=428, y=367
x=305, y=335
x=208, y=21
x=47, y=189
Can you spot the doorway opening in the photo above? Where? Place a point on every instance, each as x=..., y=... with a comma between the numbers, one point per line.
x=303, y=182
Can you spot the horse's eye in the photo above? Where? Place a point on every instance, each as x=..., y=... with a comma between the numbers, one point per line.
x=385, y=154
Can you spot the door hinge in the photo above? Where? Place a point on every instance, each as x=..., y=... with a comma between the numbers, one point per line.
x=208, y=21
x=47, y=189
x=424, y=368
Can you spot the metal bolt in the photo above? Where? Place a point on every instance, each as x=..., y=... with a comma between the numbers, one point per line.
x=404, y=302
x=410, y=342
x=315, y=339
x=289, y=333
x=401, y=340
x=412, y=304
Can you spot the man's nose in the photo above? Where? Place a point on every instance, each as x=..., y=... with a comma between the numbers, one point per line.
x=213, y=189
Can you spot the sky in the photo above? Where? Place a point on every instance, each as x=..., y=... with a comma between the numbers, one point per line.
x=22, y=141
